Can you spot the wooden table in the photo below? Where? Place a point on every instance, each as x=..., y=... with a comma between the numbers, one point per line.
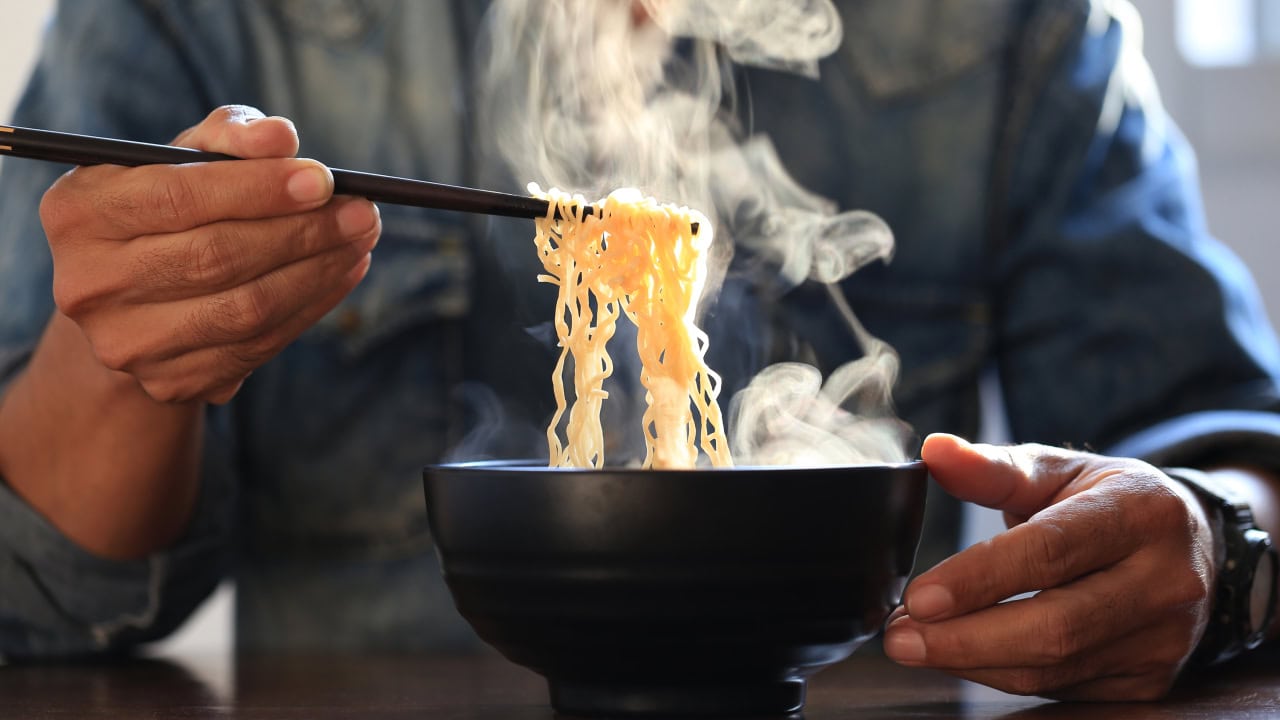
x=487, y=687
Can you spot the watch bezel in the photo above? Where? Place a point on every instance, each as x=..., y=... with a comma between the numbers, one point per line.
x=1260, y=541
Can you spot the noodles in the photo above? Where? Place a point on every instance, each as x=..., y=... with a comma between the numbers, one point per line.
x=642, y=259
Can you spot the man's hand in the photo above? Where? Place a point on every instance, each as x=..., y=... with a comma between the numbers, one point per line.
x=1121, y=557
x=189, y=277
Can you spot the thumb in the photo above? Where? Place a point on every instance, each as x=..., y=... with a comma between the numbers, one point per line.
x=1020, y=480
x=244, y=132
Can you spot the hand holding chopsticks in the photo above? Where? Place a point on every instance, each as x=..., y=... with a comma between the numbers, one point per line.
x=188, y=277
x=187, y=269
x=88, y=150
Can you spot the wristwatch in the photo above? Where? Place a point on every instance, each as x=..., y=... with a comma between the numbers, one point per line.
x=1245, y=597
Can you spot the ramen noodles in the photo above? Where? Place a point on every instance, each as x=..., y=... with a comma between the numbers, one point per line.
x=636, y=257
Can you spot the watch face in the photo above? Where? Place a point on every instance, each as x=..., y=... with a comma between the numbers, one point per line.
x=1261, y=595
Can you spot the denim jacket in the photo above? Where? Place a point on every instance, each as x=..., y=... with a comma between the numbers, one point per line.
x=1047, y=220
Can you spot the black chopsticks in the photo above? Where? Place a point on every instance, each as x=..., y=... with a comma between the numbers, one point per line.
x=89, y=150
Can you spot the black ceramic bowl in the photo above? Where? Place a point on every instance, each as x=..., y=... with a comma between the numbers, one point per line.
x=687, y=592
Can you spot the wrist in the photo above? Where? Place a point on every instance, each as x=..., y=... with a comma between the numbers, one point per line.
x=114, y=470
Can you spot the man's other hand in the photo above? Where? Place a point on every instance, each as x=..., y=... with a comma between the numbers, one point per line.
x=1119, y=556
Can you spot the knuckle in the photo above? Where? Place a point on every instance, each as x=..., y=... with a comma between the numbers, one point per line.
x=311, y=232
x=72, y=297
x=168, y=390
x=1059, y=637
x=1164, y=502
x=255, y=304
x=57, y=210
x=266, y=345
x=223, y=114
x=82, y=295
x=213, y=259
x=247, y=355
x=115, y=354
x=172, y=199
x=220, y=129
x=217, y=387
x=1049, y=548
x=1054, y=461
x=213, y=322
x=244, y=113
x=160, y=391
x=203, y=261
x=226, y=114
x=1190, y=587
x=233, y=317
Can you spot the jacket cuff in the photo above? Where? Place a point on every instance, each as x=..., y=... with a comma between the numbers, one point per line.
x=1213, y=437
x=58, y=600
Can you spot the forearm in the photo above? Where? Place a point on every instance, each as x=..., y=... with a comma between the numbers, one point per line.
x=114, y=470
x=1262, y=490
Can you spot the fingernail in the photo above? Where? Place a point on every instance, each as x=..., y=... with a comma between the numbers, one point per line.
x=900, y=611
x=356, y=218
x=309, y=185
x=929, y=601
x=904, y=646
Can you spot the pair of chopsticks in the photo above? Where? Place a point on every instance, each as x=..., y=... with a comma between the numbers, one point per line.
x=89, y=150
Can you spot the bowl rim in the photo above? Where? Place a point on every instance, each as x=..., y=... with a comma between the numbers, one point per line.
x=526, y=466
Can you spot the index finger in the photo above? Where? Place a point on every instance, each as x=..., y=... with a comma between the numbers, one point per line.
x=1053, y=627
x=154, y=199
x=1062, y=543
x=243, y=132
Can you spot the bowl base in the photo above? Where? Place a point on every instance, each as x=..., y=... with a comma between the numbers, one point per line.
x=769, y=698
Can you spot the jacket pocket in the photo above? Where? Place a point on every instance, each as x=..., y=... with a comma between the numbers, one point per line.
x=418, y=276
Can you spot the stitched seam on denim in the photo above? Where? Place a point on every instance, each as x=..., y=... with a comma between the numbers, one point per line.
x=103, y=632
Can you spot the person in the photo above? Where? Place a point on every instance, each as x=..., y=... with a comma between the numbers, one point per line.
x=209, y=369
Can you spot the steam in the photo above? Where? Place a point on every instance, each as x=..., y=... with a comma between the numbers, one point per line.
x=782, y=36
x=592, y=95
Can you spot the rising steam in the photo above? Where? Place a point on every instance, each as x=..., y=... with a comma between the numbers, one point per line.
x=592, y=95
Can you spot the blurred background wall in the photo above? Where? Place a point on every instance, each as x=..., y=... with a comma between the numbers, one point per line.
x=19, y=41
x=1218, y=65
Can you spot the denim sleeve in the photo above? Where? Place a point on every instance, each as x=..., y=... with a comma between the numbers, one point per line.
x=1125, y=327
x=107, y=67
